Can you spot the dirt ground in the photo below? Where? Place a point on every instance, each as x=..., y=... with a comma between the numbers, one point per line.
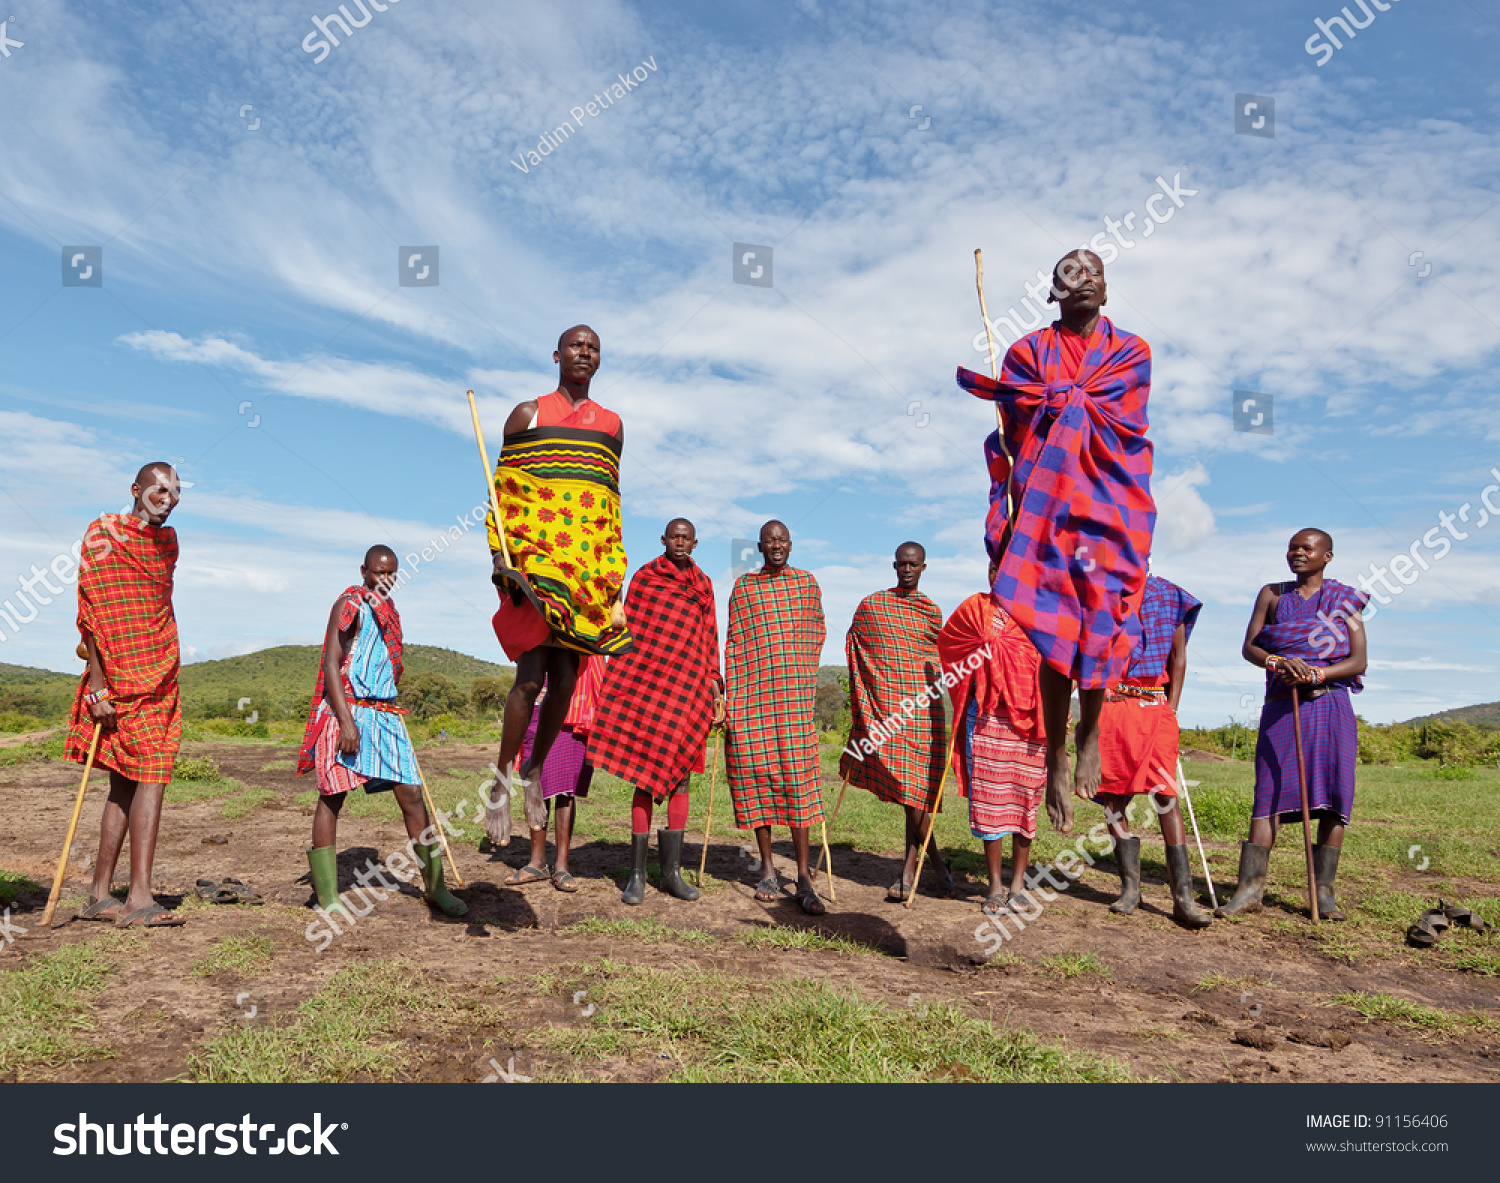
x=1151, y=1015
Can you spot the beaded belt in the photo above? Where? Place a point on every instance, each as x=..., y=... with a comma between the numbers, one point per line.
x=1127, y=690
x=379, y=704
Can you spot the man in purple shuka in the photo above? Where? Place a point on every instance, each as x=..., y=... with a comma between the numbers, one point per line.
x=1308, y=633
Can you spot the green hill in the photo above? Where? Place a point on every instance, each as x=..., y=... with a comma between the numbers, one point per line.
x=1484, y=714
x=278, y=682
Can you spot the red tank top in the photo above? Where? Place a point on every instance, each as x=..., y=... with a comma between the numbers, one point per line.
x=556, y=410
x=1073, y=349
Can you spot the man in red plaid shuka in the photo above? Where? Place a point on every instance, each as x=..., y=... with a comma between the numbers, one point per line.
x=659, y=701
x=895, y=747
x=129, y=692
x=1074, y=567
x=771, y=653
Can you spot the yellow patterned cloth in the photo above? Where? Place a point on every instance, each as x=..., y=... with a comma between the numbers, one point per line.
x=559, y=492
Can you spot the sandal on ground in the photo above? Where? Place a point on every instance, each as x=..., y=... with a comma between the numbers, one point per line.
x=808, y=901
x=1429, y=926
x=767, y=891
x=997, y=904
x=528, y=875
x=564, y=881
x=153, y=915
x=94, y=909
x=1462, y=917
x=227, y=891
x=897, y=892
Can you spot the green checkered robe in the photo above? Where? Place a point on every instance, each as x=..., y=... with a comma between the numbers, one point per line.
x=771, y=664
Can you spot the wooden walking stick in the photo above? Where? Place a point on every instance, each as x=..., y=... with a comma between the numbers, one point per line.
x=936, y=805
x=713, y=779
x=62, y=861
x=839, y=804
x=1312, y=879
x=1182, y=786
x=832, y=895
x=489, y=478
x=989, y=339
x=433, y=813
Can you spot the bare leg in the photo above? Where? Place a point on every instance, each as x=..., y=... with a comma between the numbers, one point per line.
x=326, y=820
x=145, y=818
x=1020, y=859
x=1263, y=831
x=562, y=676
x=564, y=830
x=112, y=829
x=1115, y=805
x=800, y=845
x=413, y=810
x=763, y=840
x=1173, y=833
x=1330, y=832
x=1089, y=775
x=994, y=863
x=1057, y=698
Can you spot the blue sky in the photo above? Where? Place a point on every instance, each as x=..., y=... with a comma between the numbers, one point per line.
x=250, y=277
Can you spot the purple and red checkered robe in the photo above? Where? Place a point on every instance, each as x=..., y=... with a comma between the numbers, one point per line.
x=893, y=656
x=1076, y=565
x=125, y=575
x=657, y=703
x=1314, y=630
x=771, y=650
x=1163, y=608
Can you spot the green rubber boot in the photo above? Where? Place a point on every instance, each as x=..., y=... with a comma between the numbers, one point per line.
x=435, y=892
x=324, y=863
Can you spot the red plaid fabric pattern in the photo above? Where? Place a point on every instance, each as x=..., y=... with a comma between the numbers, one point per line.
x=1076, y=566
x=1163, y=608
x=125, y=575
x=776, y=633
x=390, y=632
x=892, y=652
x=657, y=703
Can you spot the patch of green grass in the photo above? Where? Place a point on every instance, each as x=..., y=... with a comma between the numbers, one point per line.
x=1005, y=959
x=362, y=1023
x=779, y=936
x=195, y=768
x=237, y=955
x=720, y=1028
x=650, y=931
x=1073, y=965
x=1244, y=982
x=278, y=766
x=44, y=1006
x=1417, y=1016
x=13, y=884
x=246, y=803
x=1453, y=772
x=1480, y=959
x=27, y=753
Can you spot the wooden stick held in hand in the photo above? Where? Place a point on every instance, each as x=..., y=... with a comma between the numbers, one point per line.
x=432, y=813
x=489, y=478
x=62, y=860
x=833, y=821
x=932, y=815
x=1312, y=878
x=713, y=780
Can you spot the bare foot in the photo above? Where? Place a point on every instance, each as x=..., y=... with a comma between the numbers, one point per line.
x=497, y=809
x=1059, y=786
x=1089, y=774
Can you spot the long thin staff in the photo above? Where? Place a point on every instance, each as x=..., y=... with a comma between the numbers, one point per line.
x=832, y=895
x=1312, y=880
x=936, y=805
x=989, y=339
x=432, y=812
x=1182, y=787
x=62, y=861
x=713, y=780
x=833, y=821
x=489, y=478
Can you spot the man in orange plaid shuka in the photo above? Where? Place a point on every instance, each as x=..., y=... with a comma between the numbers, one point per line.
x=771, y=653
x=129, y=692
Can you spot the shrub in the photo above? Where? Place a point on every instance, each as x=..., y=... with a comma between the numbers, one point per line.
x=428, y=695
x=831, y=705
x=1386, y=743
x=489, y=694
x=196, y=768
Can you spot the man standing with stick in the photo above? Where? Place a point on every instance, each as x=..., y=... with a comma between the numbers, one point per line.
x=1074, y=567
x=1308, y=635
x=128, y=700
x=775, y=635
x=561, y=562
x=896, y=749
x=1138, y=743
x=659, y=702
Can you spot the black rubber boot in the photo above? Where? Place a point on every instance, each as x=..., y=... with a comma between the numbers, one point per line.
x=635, y=889
x=1128, y=858
x=671, y=865
x=1252, y=883
x=1325, y=867
x=1180, y=875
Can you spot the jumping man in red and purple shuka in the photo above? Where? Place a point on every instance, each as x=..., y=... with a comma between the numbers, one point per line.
x=1074, y=566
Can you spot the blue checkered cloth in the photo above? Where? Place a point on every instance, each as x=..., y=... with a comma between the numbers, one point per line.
x=1163, y=608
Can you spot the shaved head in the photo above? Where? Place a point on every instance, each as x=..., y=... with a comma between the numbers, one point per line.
x=692, y=529
x=568, y=332
x=379, y=551
x=147, y=475
x=916, y=546
x=1323, y=534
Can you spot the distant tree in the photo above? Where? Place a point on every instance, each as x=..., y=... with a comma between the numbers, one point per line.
x=488, y=694
x=428, y=695
x=831, y=704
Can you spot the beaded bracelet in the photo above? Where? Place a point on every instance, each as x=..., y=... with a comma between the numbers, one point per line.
x=1273, y=661
x=94, y=697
